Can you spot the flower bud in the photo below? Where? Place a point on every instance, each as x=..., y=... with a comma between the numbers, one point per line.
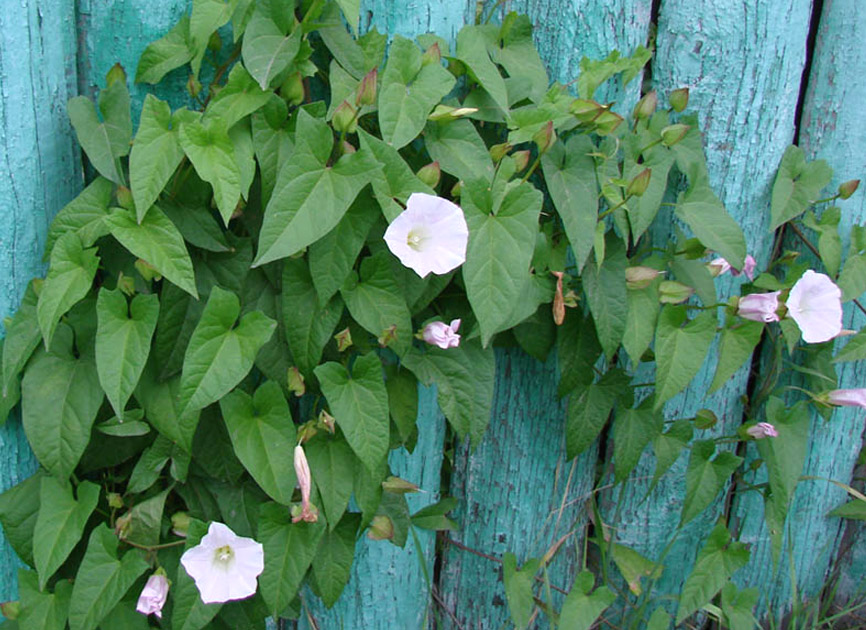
x=638, y=185
x=381, y=528
x=345, y=120
x=705, y=419
x=11, y=610
x=846, y=189
x=673, y=134
x=123, y=525
x=499, y=151
x=585, y=110
x=607, y=122
x=430, y=174
x=126, y=284
x=679, y=99
x=344, y=339
x=521, y=160
x=180, y=524
x=558, y=300
x=671, y=292
x=432, y=55
x=147, y=271
x=762, y=430
x=292, y=89
x=296, y=382
x=117, y=73
x=388, y=336
x=193, y=86
x=367, y=88
x=395, y=485
x=446, y=113
x=115, y=501
x=307, y=431
x=646, y=106
x=759, y=307
x=544, y=137
x=124, y=198
x=327, y=421
x=348, y=148
x=637, y=278
x=456, y=189
x=153, y=595
x=308, y=512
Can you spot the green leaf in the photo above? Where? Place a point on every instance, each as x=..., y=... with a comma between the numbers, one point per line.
x=607, y=295
x=123, y=342
x=633, y=430
x=41, y=610
x=577, y=351
x=516, y=52
x=332, y=564
x=157, y=241
x=829, y=241
x=69, y=279
x=19, y=509
x=268, y=47
x=22, y=338
x=519, y=584
x=706, y=477
x=569, y=171
x=798, y=183
x=668, y=446
x=680, y=349
x=332, y=466
x=367, y=489
x=155, y=155
x=310, y=197
x=433, y=517
x=212, y=153
x=61, y=397
x=352, y=11
x=289, y=550
x=165, y=54
x=146, y=523
x=634, y=566
x=308, y=325
x=711, y=223
x=263, y=437
x=273, y=146
x=395, y=180
x=409, y=92
x=102, y=579
x=595, y=72
x=207, y=16
x=472, y=51
x=581, y=608
x=377, y=302
x=83, y=215
x=60, y=523
x=333, y=256
x=149, y=466
x=716, y=563
x=736, y=347
x=161, y=403
x=640, y=324
x=459, y=149
x=738, y=606
x=854, y=350
x=589, y=409
x=197, y=226
x=104, y=142
x=464, y=379
x=499, y=253
x=221, y=354
x=855, y=509
x=402, y=389
x=189, y=612
x=359, y=402
x=852, y=280
x=238, y=98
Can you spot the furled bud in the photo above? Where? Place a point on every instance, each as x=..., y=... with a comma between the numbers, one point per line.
x=292, y=89
x=585, y=110
x=673, y=134
x=147, y=271
x=193, y=86
x=381, y=528
x=544, y=137
x=327, y=421
x=432, y=55
x=430, y=174
x=344, y=119
x=607, y=122
x=846, y=189
x=446, y=113
x=637, y=278
x=117, y=73
x=521, y=159
x=395, y=485
x=558, y=300
x=679, y=99
x=646, y=106
x=344, y=339
x=499, y=151
x=180, y=524
x=308, y=512
x=388, y=336
x=367, y=88
x=122, y=525
x=296, y=382
x=671, y=292
x=124, y=198
x=638, y=185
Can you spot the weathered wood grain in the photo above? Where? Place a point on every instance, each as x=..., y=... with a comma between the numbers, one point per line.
x=742, y=61
x=40, y=171
x=832, y=129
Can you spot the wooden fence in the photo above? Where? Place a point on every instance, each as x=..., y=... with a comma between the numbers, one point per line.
x=762, y=74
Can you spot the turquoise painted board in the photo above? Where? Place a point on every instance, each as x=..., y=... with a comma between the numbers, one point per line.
x=747, y=109
x=388, y=587
x=830, y=129
x=40, y=171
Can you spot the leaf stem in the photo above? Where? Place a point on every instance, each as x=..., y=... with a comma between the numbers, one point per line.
x=176, y=543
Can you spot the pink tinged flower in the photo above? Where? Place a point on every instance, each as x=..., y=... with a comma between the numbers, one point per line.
x=762, y=430
x=815, y=303
x=302, y=470
x=718, y=266
x=224, y=565
x=848, y=397
x=748, y=268
x=759, y=307
x=430, y=235
x=441, y=334
x=153, y=595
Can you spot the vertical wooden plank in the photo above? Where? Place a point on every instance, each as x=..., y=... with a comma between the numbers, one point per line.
x=742, y=61
x=40, y=171
x=831, y=129
x=415, y=17
x=388, y=588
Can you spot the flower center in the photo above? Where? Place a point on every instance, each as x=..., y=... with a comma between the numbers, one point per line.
x=416, y=238
x=223, y=555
